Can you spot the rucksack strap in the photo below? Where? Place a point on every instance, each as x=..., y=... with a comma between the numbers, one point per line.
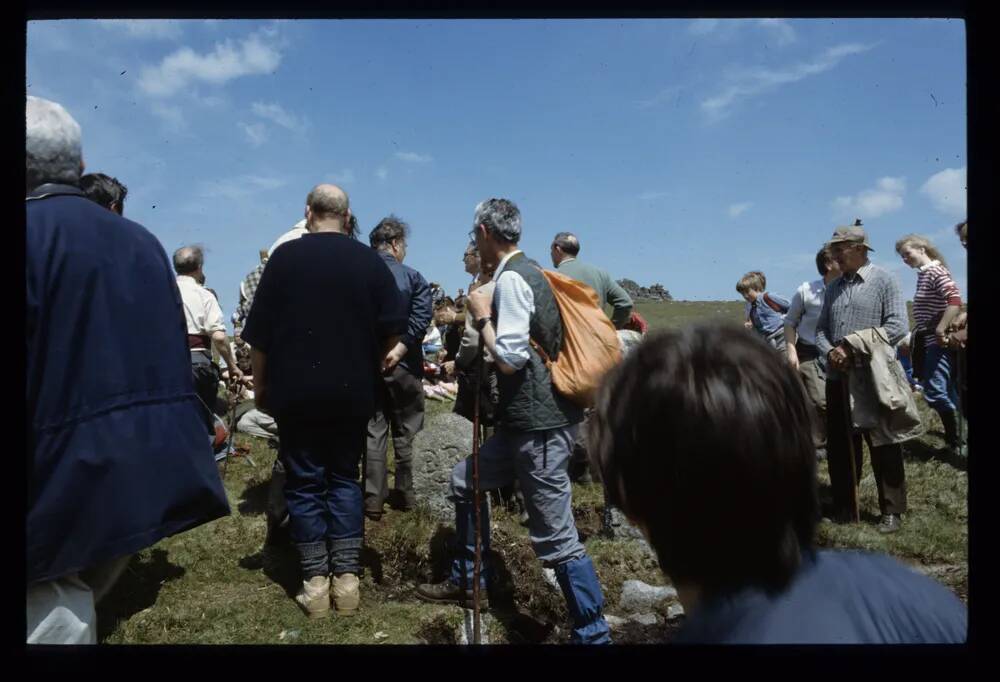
x=541, y=353
x=774, y=305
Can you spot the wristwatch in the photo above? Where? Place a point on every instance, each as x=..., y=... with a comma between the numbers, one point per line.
x=481, y=322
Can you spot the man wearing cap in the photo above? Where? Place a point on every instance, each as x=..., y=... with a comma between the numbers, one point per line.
x=864, y=297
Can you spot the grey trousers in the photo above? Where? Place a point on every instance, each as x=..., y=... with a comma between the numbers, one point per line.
x=539, y=460
x=403, y=412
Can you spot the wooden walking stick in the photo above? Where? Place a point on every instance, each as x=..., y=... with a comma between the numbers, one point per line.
x=477, y=562
x=851, y=454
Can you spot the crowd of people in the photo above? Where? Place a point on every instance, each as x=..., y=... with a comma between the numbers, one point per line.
x=844, y=334
x=705, y=438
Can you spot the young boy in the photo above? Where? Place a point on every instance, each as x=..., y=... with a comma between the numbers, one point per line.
x=765, y=312
x=731, y=505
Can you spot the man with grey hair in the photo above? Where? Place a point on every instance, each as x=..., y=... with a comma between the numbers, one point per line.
x=564, y=250
x=536, y=427
x=206, y=327
x=864, y=297
x=117, y=456
x=401, y=406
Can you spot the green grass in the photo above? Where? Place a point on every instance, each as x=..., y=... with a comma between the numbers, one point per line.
x=207, y=586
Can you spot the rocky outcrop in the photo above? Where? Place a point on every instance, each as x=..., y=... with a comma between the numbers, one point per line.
x=656, y=292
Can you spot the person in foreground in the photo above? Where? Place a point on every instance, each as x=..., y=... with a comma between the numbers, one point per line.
x=117, y=457
x=741, y=471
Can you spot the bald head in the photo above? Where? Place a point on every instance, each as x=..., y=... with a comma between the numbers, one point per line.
x=188, y=260
x=327, y=201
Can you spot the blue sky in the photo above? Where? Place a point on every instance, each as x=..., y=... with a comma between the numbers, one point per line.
x=684, y=152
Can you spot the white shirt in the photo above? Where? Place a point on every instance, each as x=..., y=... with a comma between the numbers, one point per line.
x=294, y=233
x=201, y=311
x=803, y=313
x=514, y=302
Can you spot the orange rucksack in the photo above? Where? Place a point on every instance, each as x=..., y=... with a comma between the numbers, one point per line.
x=590, y=343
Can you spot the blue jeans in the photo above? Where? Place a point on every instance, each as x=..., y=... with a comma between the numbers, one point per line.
x=323, y=493
x=939, y=389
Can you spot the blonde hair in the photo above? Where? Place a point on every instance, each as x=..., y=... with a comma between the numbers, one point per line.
x=915, y=240
x=752, y=280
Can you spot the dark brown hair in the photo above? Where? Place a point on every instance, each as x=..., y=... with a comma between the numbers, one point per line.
x=703, y=436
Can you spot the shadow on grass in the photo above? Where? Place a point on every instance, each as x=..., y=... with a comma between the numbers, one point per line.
x=923, y=452
x=253, y=501
x=136, y=590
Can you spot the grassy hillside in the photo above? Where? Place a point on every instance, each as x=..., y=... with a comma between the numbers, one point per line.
x=208, y=586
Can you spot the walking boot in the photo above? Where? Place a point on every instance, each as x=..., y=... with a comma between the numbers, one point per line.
x=447, y=592
x=345, y=594
x=373, y=507
x=584, y=601
x=314, y=597
x=890, y=523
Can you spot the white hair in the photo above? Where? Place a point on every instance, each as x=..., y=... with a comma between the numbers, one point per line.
x=52, y=144
x=501, y=217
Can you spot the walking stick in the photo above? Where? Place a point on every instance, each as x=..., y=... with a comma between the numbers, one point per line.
x=851, y=454
x=477, y=562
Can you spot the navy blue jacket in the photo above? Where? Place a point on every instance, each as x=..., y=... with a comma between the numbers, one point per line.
x=117, y=454
x=325, y=305
x=835, y=598
x=415, y=294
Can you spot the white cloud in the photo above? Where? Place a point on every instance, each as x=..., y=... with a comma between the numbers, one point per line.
x=382, y=173
x=172, y=117
x=274, y=112
x=255, y=132
x=780, y=30
x=162, y=29
x=758, y=80
x=227, y=61
x=413, y=157
x=886, y=197
x=947, y=191
x=738, y=209
x=660, y=97
x=345, y=176
x=239, y=187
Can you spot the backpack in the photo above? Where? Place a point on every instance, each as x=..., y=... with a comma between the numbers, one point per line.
x=590, y=343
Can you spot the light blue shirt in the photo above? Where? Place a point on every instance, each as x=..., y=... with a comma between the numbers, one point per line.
x=514, y=303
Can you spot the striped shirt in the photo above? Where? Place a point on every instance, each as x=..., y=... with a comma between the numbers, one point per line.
x=936, y=290
x=870, y=298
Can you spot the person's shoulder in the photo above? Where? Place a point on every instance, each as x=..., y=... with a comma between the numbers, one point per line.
x=886, y=576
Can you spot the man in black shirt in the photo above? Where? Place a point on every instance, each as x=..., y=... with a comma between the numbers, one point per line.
x=324, y=317
x=403, y=389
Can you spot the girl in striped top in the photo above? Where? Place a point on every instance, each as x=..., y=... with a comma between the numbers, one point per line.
x=936, y=303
